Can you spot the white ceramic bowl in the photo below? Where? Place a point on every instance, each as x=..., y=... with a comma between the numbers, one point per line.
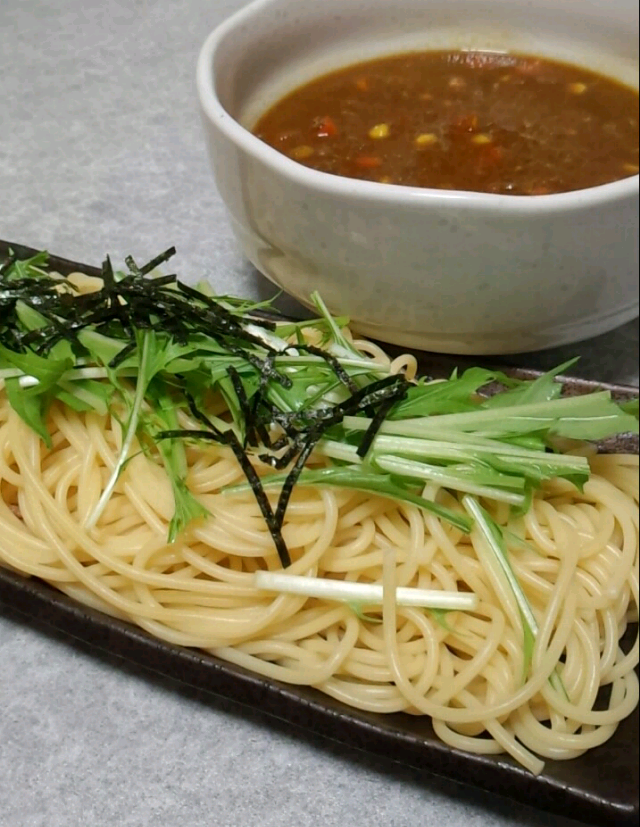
x=455, y=272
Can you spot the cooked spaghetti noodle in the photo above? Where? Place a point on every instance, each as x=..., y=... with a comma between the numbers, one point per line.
x=69, y=517
x=578, y=565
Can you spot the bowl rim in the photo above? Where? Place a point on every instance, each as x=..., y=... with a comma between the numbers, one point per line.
x=350, y=188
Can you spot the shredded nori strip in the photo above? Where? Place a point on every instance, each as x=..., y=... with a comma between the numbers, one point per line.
x=245, y=407
x=304, y=436
x=197, y=413
x=157, y=261
x=389, y=390
x=120, y=307
x=371, y=395
x=258, y=402
x=131, y=264
x=379, y=417
x=229, y=438
x=120, y=357
x=292, y=477
x=282, y=461
x=134, y=302
x=331, y=360
x=263, y=366
x=261, y=498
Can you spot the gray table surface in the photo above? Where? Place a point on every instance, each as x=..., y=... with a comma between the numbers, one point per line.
x=101, y=151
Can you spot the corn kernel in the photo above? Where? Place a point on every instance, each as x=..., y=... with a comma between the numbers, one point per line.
x=426, y=138
x=481, y=139
x=385, y=179
x=577, y=88
x=302, y=152
x=632, y=169
x=380, y=130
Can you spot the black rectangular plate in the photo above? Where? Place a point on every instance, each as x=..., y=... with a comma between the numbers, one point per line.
x=599, y=788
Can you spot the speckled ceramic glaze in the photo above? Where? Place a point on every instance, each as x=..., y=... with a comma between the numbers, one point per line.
x=453, y=272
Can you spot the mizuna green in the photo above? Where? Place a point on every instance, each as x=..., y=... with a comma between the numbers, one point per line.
x=152, y=351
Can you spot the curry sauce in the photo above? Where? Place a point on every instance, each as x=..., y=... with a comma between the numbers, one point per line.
x=457, y=120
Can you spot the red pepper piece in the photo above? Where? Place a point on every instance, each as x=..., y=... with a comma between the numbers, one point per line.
x=325, y=127
x=368, y=161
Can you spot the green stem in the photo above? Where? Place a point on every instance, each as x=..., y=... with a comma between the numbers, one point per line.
x=132, y=427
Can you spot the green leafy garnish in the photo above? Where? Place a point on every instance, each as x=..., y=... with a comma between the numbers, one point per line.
x=32, y=401
x=494, y=556
x=159, y=355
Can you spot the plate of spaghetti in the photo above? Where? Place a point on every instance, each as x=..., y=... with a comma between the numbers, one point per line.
x=441, y=568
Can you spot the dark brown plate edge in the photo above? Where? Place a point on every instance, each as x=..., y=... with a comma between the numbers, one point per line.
x=309, y=709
